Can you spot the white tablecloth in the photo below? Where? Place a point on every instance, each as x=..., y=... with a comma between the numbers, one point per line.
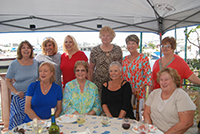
x=93, y=124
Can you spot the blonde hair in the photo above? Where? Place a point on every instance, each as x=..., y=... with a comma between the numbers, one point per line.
x=107, y=29
x=174, y=74
x=51, y=40
x=52, y=69
x=83, y=63
x=75, y=48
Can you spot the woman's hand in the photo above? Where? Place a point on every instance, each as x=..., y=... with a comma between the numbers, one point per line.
x=20, y=94
x=136, y=89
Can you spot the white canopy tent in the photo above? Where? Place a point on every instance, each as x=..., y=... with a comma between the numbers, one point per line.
x=156, y=16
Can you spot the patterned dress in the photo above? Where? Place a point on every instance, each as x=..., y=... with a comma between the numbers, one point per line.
x=74, y=100
x=137, y=72
x=102, y=61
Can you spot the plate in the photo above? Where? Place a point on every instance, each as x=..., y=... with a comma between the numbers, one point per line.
x=152, y=129
x=68, y=118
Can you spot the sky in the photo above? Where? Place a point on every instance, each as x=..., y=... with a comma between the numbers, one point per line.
x=90, y=37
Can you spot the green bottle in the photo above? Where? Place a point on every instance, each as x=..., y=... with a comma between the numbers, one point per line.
x=53, y=129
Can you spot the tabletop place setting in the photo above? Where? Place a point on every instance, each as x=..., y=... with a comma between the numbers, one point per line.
x=87, y=124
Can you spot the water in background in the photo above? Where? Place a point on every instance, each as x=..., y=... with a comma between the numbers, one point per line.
x=87, y=53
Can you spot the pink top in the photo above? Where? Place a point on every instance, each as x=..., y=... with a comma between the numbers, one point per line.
x=178, y=63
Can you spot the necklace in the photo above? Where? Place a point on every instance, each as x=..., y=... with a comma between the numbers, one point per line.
x=107, y=54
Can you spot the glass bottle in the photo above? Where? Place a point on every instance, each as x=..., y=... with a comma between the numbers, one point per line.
x=53, y=129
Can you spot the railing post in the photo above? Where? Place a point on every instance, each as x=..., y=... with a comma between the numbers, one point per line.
x=5, y=101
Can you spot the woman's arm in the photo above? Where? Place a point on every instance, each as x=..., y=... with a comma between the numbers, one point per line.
x=106, y=110
x=147, y=112
x=91, y=70
x=186, y=119
x=58, y=108
x=122, y=114
x=12, y=88
x=28, y=110
x=194, y=79
x=92, y=112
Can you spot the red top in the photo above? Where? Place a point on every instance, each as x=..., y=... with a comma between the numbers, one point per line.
x=67, y=65
x=178, y=63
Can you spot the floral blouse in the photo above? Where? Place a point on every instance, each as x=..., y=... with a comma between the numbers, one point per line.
x=74, y=100
x=137, y=72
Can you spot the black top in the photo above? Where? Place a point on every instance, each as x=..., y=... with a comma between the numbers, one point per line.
x=118, y=100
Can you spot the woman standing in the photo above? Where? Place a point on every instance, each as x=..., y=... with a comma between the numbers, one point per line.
x=24, y=70
x=136, y=69
x=101, y=56
x=174, y=61
x=116, y=94
x=69, y=58
x=81, y=96
x=43, y=95
x=50, y=54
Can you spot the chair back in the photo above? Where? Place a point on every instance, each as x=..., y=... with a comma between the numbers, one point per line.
x=195, y=96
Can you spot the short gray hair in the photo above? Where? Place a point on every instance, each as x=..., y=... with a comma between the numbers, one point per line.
x=117, y=64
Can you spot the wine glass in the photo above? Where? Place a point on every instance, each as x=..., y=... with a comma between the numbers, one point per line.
x=143, y=128
x=126, y=123
x=80, y=118
x=104, y=119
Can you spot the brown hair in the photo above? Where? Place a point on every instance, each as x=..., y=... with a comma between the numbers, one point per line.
x=75, y=48
x=52, y=69
x=83, y=63
x=107, y=29
x=51, y=40
x=132, y=37
x=171, y=41
x=19, y=54
x=174, y=74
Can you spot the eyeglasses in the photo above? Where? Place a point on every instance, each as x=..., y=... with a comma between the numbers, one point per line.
x=48, y=38
x=165, y=46
x=82, y=70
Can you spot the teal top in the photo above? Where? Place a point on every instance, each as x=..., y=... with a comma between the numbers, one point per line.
x=74, y=100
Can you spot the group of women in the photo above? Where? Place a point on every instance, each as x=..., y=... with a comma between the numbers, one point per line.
x=106, y=84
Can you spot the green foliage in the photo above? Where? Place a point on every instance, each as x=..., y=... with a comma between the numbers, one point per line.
x=152, y=45
x=194, y=65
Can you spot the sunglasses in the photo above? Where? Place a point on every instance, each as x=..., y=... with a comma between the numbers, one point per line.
x=46, y=38
x=81, y=70
x=165, y=46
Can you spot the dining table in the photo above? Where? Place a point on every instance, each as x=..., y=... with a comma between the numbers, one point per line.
x=92, y=125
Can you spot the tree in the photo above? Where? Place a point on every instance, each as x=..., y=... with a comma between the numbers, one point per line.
x=193, y=30
x=152, y=45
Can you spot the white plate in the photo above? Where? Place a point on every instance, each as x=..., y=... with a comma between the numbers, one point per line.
x=152, y=129
x=67, y=118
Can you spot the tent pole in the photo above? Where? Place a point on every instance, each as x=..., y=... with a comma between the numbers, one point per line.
x=175, y=38
x=160, y=44
x=185, y=50
x=185, y=45
x=140, y=42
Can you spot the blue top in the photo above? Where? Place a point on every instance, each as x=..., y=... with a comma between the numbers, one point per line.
x=41, y=104
x=23, y=75
x=74, y=100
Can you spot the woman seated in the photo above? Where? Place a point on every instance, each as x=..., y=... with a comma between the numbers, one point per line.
x=43, y=95
x=81, y=96
x=116, y=94
x=170, y=107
